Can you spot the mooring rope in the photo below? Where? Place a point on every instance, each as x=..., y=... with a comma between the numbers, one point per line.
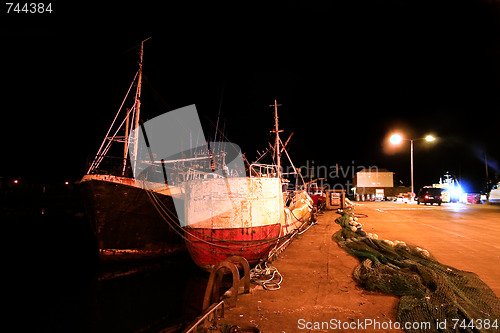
x=268, y=276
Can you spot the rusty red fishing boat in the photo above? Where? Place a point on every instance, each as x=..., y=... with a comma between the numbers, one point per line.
x=246, y=216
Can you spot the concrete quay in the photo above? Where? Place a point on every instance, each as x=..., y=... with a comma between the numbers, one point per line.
x=317, y=294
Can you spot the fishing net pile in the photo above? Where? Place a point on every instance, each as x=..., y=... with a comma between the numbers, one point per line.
x=429, y=291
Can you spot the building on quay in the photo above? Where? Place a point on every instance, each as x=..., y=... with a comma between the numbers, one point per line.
x=376, y=184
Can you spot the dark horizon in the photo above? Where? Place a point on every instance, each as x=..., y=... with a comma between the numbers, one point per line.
x=347, y=75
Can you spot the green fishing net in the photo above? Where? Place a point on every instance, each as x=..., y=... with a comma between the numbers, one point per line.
x=448, y=299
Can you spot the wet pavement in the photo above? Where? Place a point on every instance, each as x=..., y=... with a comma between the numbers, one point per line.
x=464, y=236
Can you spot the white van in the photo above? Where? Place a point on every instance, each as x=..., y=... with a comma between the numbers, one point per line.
x=494, y=196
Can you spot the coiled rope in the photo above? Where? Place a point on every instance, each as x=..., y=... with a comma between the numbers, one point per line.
x=268, y=276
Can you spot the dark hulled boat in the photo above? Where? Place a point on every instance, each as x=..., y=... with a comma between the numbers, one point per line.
x=130, y=217
x=124, y=215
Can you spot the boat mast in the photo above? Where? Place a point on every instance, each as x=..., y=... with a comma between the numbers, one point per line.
x=125, y=146
x=277, y=150
x=137, y=108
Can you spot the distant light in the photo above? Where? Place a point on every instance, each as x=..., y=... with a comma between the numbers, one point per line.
x=456, y=191
x=429, y=138
x=396, y=139
x=16, y=181
x=66, y=183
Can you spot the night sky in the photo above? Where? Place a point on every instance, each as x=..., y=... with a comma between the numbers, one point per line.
x=346, y=73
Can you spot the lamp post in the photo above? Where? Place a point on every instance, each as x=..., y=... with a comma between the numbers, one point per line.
x=396, y=139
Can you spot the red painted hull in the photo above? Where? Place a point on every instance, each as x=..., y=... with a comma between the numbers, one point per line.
x=210, y=246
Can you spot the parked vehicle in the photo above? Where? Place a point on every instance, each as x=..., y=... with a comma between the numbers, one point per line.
x=317, y=194
x=494, y=196
x=430, y=195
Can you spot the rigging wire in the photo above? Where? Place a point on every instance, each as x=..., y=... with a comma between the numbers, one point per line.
x=218, y=115
x=100, y=157
x=93, y=166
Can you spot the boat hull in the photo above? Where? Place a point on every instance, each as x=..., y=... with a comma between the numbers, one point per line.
x=208, y=247
x=243, y=216
x=124, y=217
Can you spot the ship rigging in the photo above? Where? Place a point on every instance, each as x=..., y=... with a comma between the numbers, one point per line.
x=215, y=210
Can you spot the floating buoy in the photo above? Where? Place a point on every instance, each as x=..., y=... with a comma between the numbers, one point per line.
x=424, y=252
x=399, y=243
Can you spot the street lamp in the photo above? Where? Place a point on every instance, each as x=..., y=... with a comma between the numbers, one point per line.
x=396, y=139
